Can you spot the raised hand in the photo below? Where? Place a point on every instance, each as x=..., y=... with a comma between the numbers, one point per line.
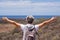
x=53, y=18
x=4, y=18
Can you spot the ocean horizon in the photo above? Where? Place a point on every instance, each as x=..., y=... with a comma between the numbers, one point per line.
x=24, y=16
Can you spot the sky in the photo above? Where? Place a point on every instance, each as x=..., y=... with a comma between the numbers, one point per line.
x=30, y=7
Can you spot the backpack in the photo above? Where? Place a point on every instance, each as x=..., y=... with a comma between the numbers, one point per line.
x=30, y=33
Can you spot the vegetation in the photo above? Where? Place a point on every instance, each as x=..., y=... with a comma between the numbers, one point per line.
x=48, y=32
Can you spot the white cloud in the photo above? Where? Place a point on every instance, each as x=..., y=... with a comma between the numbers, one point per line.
x=13, y=0
x=20, y=3
x=27, y=3
x=29, y=7
x=46, y=7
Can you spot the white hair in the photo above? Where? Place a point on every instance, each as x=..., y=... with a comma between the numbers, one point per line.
x=30, y=17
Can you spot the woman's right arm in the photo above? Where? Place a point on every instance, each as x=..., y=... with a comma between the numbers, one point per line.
x=11, y=21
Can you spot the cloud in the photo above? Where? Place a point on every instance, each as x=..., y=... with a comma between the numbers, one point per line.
x=20, y=3
x=28, y=8
x=46, y=7
x=13, y=0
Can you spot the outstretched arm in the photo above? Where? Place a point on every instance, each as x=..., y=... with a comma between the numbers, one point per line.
x=46, y=22
x=10, y=21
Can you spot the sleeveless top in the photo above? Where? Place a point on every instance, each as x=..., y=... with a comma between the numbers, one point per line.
x=25, y=29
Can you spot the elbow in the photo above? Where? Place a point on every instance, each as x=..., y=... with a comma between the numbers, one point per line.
x=46, y=22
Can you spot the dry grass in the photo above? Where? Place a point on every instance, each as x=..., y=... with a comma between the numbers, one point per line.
x=48, y=32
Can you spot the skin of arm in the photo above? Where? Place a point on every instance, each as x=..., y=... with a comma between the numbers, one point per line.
x=10, y=21
x=46, y=22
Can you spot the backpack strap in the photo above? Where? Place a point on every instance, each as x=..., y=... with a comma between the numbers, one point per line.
x=37, y=33
x=30, y=29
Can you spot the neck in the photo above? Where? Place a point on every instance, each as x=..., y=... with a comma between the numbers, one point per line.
x=29, y=23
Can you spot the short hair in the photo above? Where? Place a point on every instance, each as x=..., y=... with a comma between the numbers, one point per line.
x=30, y=19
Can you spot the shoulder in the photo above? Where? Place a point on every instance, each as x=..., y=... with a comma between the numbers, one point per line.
x=37, y=27
x=23, y=27
x=22, y=24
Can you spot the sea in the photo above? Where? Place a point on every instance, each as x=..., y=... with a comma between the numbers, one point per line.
x=24, y=16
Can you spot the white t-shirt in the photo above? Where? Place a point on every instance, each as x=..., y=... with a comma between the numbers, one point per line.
x=24, y=28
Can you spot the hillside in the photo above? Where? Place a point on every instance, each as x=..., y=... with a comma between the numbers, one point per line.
x=48, y=32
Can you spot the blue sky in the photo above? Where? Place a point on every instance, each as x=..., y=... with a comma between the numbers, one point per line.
x=45, y=0
x=29, y=7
